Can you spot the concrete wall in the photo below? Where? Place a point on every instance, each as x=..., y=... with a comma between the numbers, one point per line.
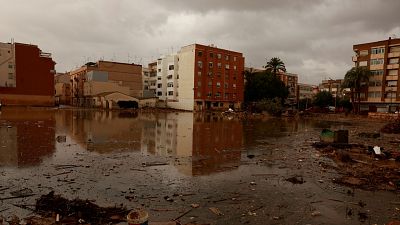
x=92, y=88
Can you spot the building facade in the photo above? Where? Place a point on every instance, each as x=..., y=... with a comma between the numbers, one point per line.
x=150, y=80
x=203, y=78
x=380, y=94
x=26, y=75
x=167, y=78
x=62, y=89
x=96, y=78
x=290, y=80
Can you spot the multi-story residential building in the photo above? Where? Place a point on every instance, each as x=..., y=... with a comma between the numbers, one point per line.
x=332, y=86
x=305, y=91
x=150, y=80
x=201, y=77
x=167, y=78
x=290, y=80
x=96, y=78
x=382, y=59
x=62, y=86
x=26, y=75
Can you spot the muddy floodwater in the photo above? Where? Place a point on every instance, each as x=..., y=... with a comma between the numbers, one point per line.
x=245, y=171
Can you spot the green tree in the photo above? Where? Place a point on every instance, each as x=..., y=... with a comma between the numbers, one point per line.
x=275, y=64
x=323, y=99
x=263, y=85
x=353, y=80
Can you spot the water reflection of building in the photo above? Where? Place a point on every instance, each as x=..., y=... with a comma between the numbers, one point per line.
x=26, y=137
x=203, y=144
x=107, y=131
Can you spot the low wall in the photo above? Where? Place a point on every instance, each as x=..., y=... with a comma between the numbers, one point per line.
x=390, y=116
x=26, y=100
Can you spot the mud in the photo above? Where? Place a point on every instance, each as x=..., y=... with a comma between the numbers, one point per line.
x=246, y=170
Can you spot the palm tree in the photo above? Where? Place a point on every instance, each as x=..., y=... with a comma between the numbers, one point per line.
x=353, y=79
x=275, y=64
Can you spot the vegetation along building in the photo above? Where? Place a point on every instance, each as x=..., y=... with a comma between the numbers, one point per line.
x=381, y=93
x=201, y=77
x=26, y=75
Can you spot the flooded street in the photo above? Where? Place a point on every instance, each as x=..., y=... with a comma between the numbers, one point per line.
x=253, y=171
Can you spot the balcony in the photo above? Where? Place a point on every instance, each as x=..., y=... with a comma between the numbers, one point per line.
x=354, y=58
x=169, y=77
x=392, y=66
x=394, y=54
x=376, y=67
x=392, y=77
x=390, y=89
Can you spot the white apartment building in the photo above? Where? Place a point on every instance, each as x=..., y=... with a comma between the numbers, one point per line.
x=167, y=78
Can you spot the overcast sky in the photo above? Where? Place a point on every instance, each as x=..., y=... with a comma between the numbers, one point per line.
x=314, y=38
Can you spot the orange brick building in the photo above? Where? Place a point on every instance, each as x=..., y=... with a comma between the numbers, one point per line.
x=27, y=75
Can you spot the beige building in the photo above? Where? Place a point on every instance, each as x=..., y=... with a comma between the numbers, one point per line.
x=290, y=80
x=305, y=91
x=7, y=65
x=381, y=94
x=150, y=80
x=62, y=88
x=96, y=78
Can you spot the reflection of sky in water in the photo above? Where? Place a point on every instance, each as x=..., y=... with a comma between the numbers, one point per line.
x=203, y=144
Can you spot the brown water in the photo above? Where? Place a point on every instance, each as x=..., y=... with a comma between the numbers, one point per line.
x=138, y=159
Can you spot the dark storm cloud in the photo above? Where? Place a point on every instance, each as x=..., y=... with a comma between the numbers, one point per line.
x=313, y=37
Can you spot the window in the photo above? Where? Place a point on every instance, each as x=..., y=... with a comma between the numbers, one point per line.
x=158, y=78
x=169, y=76
x=226, y=76
x=376, y=61
x=159, y=85
x=171, y=67
x=210, y=74
x=234, y=58
x=227, y=57
x=10, y=66
x=177, y=76
x=218, y=94
x=234, y=67
x=391, y=83
x=376, y=72
x=219, y=65
x=219, y=56
x=377, y=50
x=226, y=96
x=209, y=83
x=199, y=73
x=391, y=95
x=374, y=94
x=218, y=84
x=159, y=93
x=393, y=72
x=159, y=70
x=234, y=85
x=363, y=52
x=211, y=55
x=218, y=74
x=198, y=83
x=209, y=94
x=227, y=66
x=375, y=83
x=198, y=94
x=362, y=63
x=395, y=49
x=234, y=95
x=170, y=93
x=10, y=76
x=199, y=53
x=210, y=64
x=170, y=84
x=394, y=61
x=200, y=64
x=226, y=85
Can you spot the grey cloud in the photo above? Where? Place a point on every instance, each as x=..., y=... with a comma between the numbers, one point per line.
x=313, y=37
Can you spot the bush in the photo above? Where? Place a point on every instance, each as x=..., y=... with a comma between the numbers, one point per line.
x=272, y=106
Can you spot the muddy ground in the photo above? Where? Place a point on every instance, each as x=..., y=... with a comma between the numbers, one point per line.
x=200, y=169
